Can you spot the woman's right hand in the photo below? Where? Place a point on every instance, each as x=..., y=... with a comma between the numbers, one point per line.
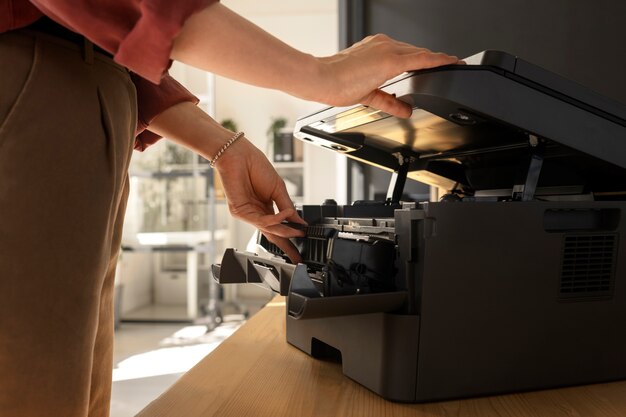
x=355, y=74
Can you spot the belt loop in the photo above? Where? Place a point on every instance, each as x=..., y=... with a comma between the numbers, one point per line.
x=87, y=51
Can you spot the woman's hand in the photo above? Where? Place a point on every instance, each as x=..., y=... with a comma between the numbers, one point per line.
x=251, y=184
x=354, y=74
x=252, y=187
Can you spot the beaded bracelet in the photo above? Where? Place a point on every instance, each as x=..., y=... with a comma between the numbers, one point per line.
x=223, y=149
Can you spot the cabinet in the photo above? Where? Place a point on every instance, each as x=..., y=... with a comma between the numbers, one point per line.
x=175, y=228
x=293, y=175
x=287, y=154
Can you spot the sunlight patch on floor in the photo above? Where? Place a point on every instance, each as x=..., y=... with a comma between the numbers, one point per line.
x=177, y=353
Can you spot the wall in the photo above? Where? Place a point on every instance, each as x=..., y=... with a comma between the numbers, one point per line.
x=579, y=39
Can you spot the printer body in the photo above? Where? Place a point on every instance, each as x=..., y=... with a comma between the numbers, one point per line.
x=513, y=281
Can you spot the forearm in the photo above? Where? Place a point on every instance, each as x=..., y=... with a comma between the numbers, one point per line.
x=186, y=124
x=220, y=41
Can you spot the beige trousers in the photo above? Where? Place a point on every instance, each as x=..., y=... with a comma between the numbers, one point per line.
x=67, y=117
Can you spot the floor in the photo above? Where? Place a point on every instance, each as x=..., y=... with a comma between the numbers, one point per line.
x=150, y=357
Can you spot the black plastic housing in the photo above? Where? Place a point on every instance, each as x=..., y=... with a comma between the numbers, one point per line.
x=514, y=281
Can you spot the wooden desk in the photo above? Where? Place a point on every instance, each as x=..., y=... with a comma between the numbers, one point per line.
x=256, y=373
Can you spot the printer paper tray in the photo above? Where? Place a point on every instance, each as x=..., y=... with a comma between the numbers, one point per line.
x=302, y=307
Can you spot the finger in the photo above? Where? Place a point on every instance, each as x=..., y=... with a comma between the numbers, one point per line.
x=255, y=217
x=415, y=48
x=295, y=217
x=274, y=223
x=385, y=39
x=402, y=48
x=291, y=215
x=283, y=202
x=281, y=197
x=286, y=246
x=406, y=48
x=388, y=103
x=427, y=60
x=267, y=220
x=284, y=230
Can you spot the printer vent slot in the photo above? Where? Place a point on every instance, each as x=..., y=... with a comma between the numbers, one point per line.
x=316, y=251
x=269, y=246
x=588, y=268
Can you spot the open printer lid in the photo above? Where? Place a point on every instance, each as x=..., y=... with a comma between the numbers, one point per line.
x=475, y=129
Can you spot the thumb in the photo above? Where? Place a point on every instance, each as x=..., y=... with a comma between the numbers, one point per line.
x=388, y=103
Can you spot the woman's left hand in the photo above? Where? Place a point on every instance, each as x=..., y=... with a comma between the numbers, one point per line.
x=251, y=183
x=252, y=187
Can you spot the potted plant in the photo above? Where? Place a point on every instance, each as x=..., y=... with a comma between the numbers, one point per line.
x=229, y=124
x=277, y=145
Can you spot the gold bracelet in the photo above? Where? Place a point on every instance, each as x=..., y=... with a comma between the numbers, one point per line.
x=223, y=149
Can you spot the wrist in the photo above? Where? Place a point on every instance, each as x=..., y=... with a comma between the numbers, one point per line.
x=327, y=82
x=310, y=79
x=224, y=148
x=231, y=157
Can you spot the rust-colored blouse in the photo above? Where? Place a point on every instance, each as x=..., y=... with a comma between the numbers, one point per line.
x=138, y=33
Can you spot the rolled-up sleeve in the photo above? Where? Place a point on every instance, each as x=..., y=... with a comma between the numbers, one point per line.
x=138, y=33
x=153, y=99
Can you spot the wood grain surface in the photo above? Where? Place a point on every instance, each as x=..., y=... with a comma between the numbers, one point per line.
x=257, y=373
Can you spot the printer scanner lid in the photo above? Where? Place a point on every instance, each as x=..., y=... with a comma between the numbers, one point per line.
x=475, y=128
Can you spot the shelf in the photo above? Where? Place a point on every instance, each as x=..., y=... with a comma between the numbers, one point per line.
x=174, y=173
x=286, y=165
x=192, y=239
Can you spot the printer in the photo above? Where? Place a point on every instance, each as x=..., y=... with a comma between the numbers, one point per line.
x=514, y=280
